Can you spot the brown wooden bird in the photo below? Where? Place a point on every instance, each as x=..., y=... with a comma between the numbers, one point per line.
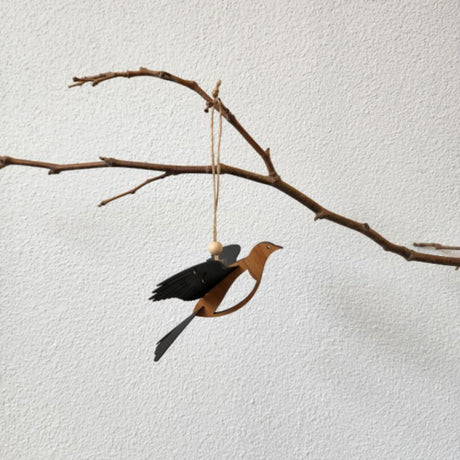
x=209, y=282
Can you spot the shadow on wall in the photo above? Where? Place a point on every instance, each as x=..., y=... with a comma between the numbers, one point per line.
x=414, y=335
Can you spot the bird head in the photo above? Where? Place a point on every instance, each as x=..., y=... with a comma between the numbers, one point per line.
x=268, y=248
x=265, y=249
x=259, y=255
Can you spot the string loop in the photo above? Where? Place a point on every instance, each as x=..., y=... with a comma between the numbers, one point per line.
x=215, y=158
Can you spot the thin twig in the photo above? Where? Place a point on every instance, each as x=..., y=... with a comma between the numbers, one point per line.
x=135, y=189
x=320, y=211
x=436, y=246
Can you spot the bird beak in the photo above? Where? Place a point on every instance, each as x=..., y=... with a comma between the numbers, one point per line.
x=278, y=247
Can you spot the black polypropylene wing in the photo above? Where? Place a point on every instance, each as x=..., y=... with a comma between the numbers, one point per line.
x=229, y=254
x=192, y=283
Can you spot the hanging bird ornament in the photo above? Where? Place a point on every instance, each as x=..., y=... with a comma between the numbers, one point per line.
x=210, y=281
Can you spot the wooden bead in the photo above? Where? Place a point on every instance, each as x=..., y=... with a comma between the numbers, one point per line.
x=215, y=248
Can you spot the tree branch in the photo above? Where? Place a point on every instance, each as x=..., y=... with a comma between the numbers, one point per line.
x=135, y=189
x=272, y=179
x=436, y=246
x=320, y=211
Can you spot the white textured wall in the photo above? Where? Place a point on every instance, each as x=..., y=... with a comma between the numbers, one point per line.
x=346, y=351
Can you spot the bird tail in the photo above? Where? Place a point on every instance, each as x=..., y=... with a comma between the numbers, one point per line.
x=168, y=339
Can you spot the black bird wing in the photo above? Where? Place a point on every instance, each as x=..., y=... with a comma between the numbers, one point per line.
x=229, y=254
x=192, y=283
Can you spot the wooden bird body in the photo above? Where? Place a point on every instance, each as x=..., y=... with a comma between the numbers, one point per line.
x=209, y=282
x=254, y=263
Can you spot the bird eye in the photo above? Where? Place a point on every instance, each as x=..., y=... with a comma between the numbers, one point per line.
x=268, y=247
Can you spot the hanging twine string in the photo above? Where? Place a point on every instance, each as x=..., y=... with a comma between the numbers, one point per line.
x=215, y=247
